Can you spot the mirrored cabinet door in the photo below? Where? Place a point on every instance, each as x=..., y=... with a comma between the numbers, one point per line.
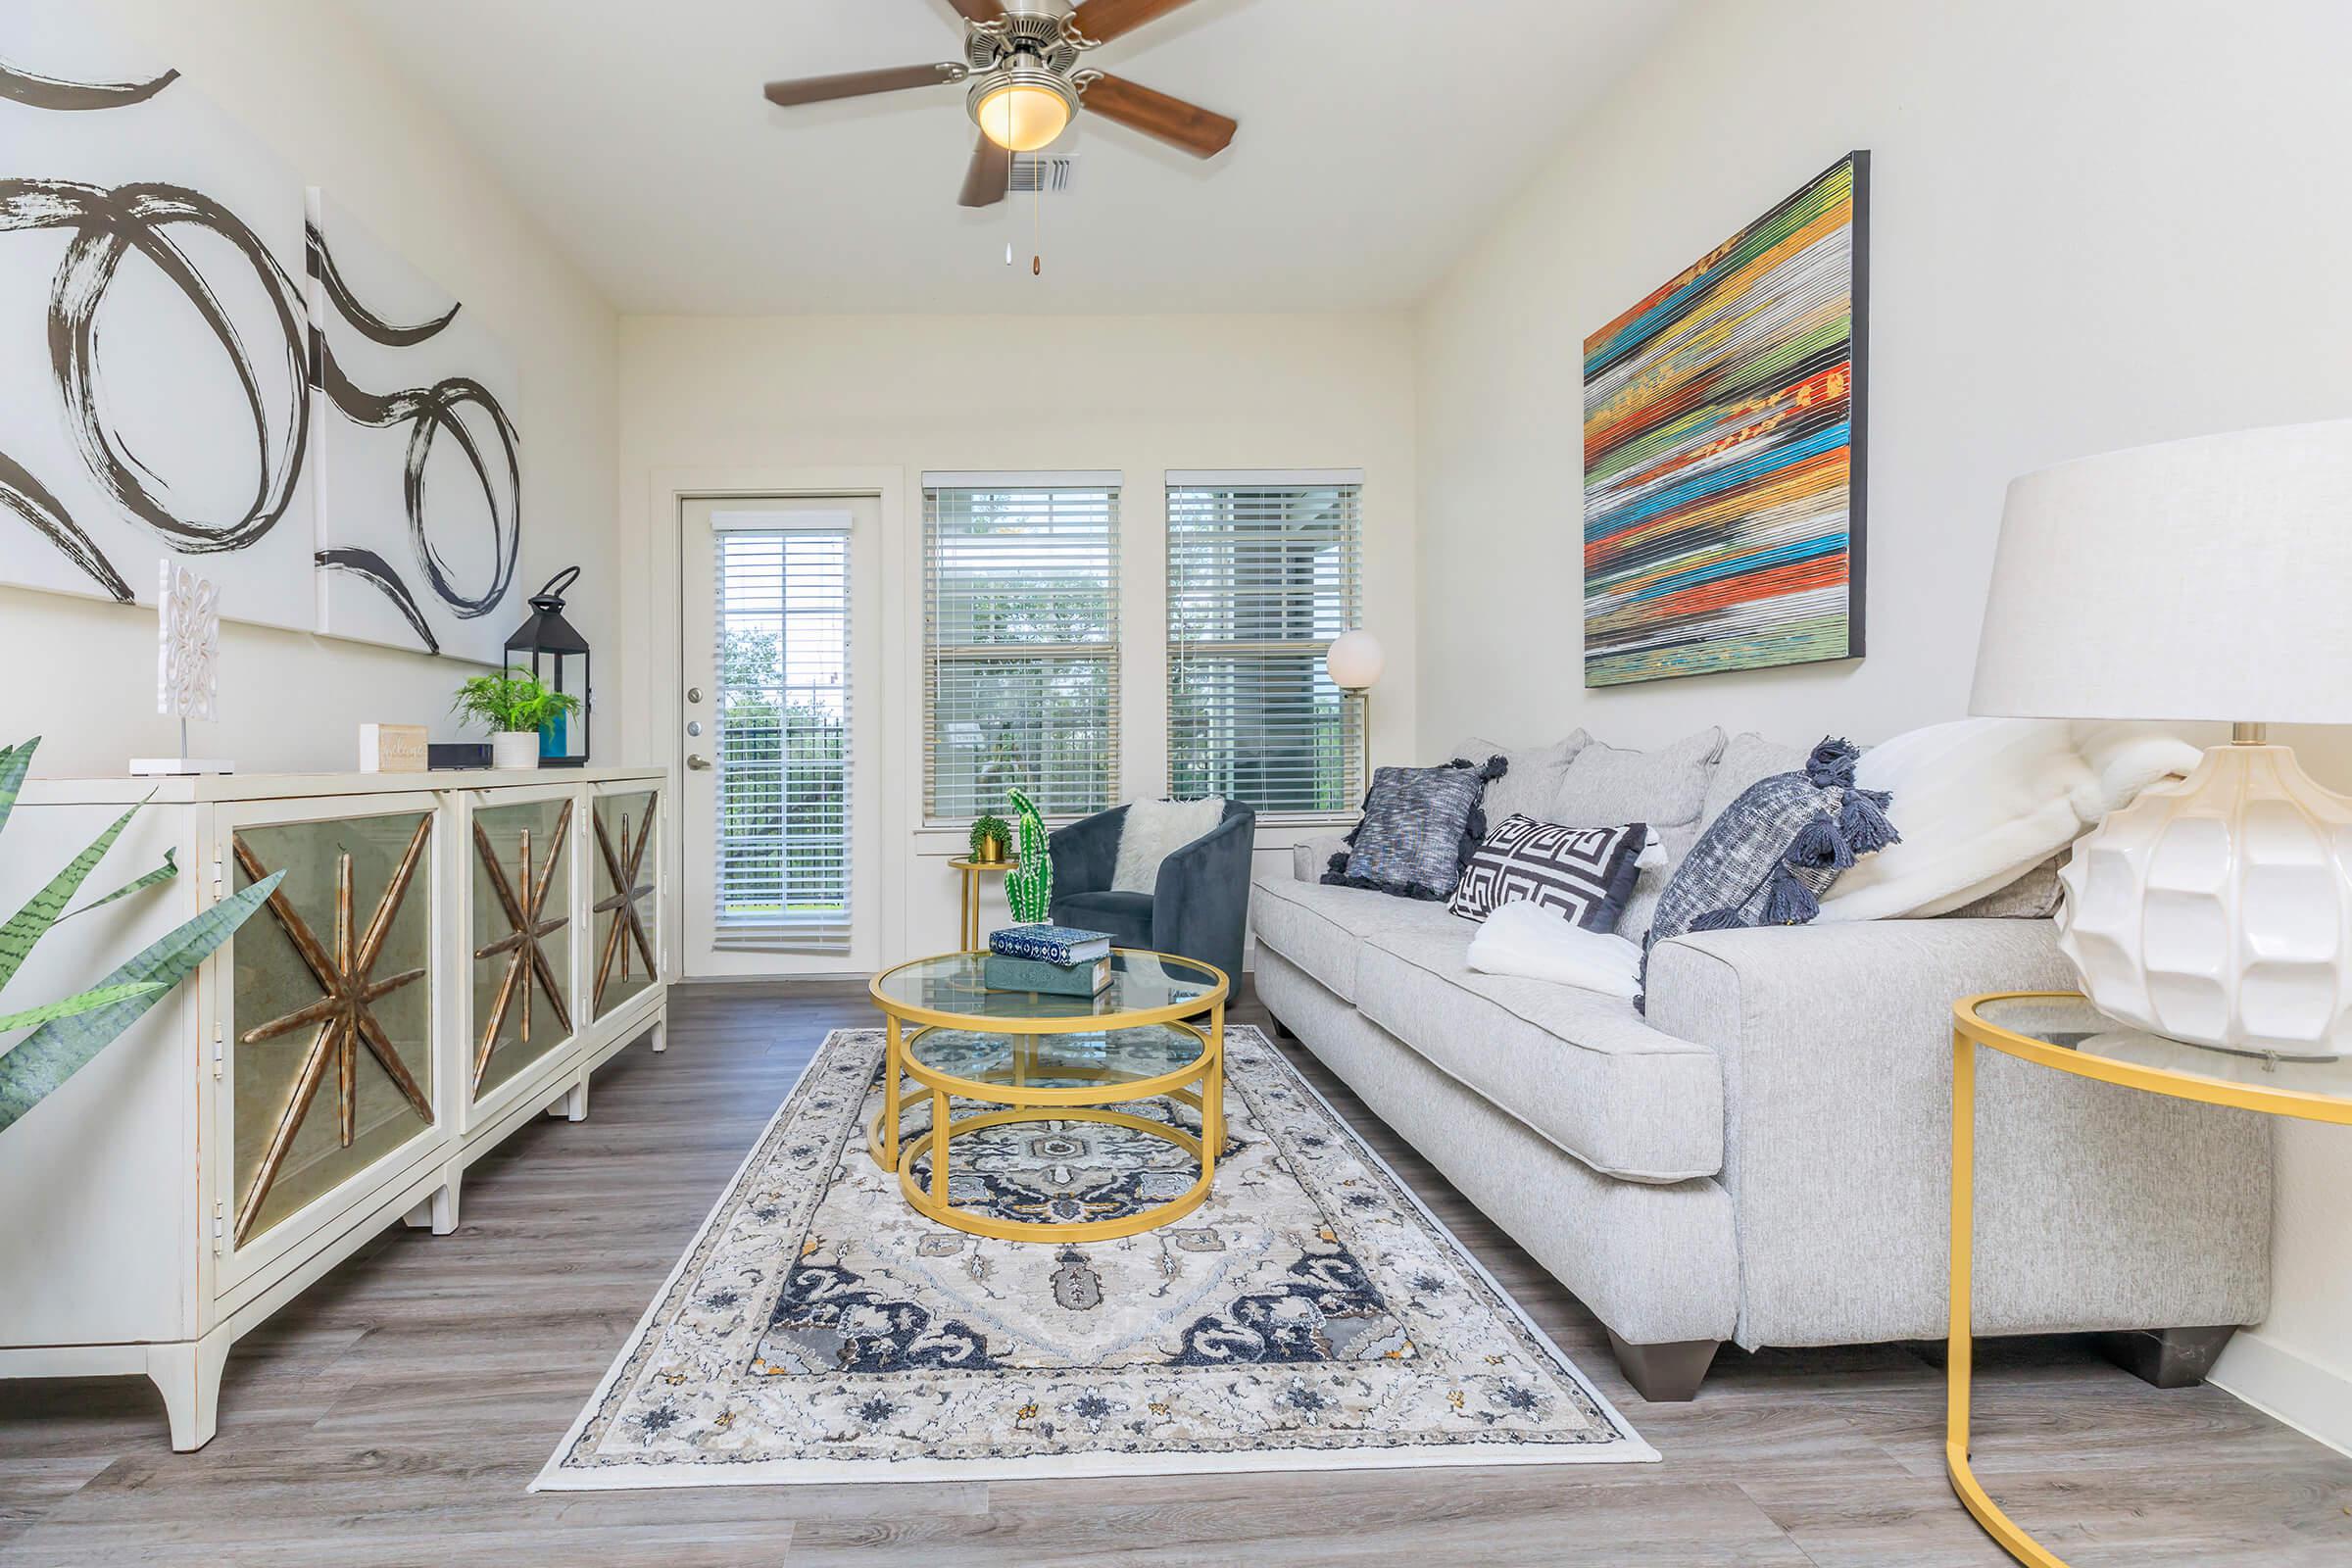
x=332, y=1008
x=522, y=941
x=626, y=915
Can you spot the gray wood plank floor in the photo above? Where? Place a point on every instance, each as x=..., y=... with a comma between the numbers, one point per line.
x=395, y=1414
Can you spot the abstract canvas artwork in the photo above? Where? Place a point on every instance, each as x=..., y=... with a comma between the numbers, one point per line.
x=420, y=477
x=152, y=329
x=1723, y=452
x=195, y=356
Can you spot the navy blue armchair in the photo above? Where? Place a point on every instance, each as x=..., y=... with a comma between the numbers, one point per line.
x=1199, y=909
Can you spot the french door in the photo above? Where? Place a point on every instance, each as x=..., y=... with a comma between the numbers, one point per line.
x=779, y=789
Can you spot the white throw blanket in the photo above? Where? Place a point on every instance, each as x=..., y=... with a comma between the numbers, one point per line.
x=1527, y=939
x=1982, y=801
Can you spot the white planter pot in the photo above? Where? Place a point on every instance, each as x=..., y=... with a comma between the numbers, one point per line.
x=517, y=749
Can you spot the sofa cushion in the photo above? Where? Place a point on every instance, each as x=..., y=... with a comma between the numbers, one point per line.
x=1606, y=785
x=1322, y=928
x=1578, y=1067
x=1533, y=782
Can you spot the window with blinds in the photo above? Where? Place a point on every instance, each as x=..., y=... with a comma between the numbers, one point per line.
x=1263, y=571
x=1020, y=641
x=782, y=752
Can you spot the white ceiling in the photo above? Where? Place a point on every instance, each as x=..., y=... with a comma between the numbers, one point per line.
x=1378, y=138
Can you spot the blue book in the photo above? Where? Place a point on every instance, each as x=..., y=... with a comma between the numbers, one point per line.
x=1063, y=945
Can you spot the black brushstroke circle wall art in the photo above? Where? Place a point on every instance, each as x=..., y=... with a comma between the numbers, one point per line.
x=435, y=560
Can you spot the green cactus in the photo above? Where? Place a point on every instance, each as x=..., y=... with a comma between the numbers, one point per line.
x=1029, y=887
x=74, y=1030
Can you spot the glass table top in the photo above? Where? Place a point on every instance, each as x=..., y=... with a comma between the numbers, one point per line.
x=2072, y=1023
x=1081, y=1060
x=950, y=985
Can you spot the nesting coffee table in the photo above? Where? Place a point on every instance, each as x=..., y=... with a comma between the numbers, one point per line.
x=1157, y=1032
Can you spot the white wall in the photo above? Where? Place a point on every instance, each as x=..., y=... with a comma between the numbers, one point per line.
x=2093, y=224
x=309, y=84
x=736, y=404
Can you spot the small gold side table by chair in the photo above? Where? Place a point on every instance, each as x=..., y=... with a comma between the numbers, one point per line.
x=972, y=870
x=2062, y=1031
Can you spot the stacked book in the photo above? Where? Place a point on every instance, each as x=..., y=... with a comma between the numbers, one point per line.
x=1054, y=960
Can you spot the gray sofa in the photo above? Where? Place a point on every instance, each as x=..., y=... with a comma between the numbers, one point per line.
x=1765, y=1156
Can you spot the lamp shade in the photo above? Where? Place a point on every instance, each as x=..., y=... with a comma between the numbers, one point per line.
x=2201, y=580
x=1355, y=661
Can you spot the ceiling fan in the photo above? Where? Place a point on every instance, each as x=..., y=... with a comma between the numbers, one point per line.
x=1021, y=57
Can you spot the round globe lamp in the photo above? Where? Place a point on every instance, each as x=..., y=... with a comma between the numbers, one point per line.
x=1355, y=662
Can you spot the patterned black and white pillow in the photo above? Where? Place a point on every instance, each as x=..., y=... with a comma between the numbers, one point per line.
x=1582, y=874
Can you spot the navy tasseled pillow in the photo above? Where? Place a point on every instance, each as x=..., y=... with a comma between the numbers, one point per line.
x=1772, y=854
x=1420, y=826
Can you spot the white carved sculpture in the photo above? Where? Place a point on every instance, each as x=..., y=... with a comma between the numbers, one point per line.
x=187, y=663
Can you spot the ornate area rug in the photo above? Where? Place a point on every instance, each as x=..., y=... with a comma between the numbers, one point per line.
x=1311, y=1315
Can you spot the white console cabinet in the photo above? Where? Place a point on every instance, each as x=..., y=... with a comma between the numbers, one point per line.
x=449, y=955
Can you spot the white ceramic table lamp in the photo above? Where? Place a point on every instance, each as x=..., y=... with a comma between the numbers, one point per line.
x=2200, y=579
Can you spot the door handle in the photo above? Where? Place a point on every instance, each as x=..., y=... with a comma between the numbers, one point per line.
x=701, y=764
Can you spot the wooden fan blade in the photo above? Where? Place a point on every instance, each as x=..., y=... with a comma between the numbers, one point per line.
x=977, y=10
x=984, y=182
x=858, y=83
x=1105, y=19
x=1190, y=126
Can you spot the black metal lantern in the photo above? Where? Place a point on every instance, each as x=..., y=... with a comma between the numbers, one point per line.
x=547, y=636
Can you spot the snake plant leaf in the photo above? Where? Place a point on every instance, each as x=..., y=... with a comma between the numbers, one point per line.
x=14, y=762
x=162, y=874
x=89, y=1002
x=45, y=1059
x=41, y=912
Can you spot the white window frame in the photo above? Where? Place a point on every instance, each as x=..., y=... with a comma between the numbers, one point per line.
x=1352, y=717
x=935, y=655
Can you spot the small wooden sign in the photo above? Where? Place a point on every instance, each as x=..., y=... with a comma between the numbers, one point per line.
x=392, y=748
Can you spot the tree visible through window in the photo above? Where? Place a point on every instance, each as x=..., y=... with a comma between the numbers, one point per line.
x=1021, y=659
x=1263, y=575
x=783, y=649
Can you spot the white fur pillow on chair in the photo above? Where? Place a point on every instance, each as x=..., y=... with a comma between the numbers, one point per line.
x=1982, y=801
x=1153, y=831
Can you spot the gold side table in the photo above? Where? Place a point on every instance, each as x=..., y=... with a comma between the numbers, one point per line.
x=972, y=870
x=1034, y=1058
x=2062, y=1030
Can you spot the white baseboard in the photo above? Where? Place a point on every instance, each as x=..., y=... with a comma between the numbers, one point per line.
x=2314, y=1399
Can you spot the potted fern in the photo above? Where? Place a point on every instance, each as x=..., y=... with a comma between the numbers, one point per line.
x=517, y=706
x=991, y=835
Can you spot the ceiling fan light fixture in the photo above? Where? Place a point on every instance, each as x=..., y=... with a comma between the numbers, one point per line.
x=1022, y=108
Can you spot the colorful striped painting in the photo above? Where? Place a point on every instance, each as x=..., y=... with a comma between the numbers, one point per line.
x=1723, y=452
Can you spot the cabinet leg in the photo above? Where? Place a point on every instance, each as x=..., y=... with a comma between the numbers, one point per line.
x=187, y=1373
x=660, y=1041
x=573, y=1106
x=438, y=1213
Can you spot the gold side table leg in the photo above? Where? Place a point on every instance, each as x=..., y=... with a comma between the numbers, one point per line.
x=971, y=910
x=1960, y=1348
x=1212, y=1096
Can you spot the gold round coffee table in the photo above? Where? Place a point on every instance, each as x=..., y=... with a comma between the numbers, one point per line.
x=2061, y=1030
x=1041, y=1057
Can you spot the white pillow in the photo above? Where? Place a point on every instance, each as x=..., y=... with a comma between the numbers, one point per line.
x=1982, y=801
x=1153, y=831
x=1527, y=939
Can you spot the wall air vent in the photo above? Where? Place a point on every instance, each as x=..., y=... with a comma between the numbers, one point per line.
x=1049, y=172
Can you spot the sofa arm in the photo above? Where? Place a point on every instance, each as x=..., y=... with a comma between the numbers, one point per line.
x=1311, y=858
x=2097, y=1207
